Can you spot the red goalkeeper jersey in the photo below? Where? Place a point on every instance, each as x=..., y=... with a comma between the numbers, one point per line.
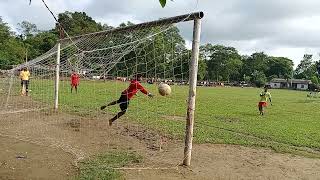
x=133, y=89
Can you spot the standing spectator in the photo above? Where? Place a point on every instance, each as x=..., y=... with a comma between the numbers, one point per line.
x=24, y=76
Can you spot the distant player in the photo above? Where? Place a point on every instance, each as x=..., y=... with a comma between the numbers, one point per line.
x=24, y=76
x=264, y=96
x=75, y=78
x=125, y=97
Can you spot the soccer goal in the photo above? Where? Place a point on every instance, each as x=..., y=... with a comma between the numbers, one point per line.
x=80, y=74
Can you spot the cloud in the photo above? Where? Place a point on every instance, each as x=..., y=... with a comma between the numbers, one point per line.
x=286, y=28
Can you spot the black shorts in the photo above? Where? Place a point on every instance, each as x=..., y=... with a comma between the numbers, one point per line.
x=25, y=83
x=123, y=102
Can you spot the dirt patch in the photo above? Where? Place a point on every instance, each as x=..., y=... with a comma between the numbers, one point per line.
x=20, y=160
x=232, y=162
x=152, y=140
x=74, y=124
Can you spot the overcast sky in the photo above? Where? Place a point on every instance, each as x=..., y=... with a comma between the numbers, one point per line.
x=288, y=28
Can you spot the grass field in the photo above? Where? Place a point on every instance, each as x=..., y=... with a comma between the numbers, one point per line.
x=103, y=166
x=223, y=115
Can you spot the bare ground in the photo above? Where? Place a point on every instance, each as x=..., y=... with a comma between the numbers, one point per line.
x=21, y=160
x=47, y=145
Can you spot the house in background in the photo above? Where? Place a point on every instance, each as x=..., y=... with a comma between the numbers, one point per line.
x=279, y=83
x=299, y=84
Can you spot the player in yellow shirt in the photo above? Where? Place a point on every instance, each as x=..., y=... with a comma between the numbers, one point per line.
x=24, y=76
x=264, y=96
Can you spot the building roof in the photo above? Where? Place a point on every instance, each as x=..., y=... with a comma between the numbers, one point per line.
x=296, y=81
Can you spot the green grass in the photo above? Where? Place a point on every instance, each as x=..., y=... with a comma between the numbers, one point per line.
x=223, y=115
x=103, y=166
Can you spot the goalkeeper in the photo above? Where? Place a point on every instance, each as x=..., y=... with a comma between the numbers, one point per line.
x=125, y=97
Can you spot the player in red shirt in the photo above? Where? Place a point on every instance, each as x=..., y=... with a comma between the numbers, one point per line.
x=125, y=97
x=74, y=81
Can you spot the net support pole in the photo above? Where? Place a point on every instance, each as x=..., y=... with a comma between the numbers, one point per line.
x=192, y=91
x=57, y=79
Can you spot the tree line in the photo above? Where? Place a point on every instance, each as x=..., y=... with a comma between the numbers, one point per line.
x=226, y=64
x=216, y=63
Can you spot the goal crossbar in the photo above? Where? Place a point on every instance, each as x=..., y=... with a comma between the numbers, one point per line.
x=164, y=21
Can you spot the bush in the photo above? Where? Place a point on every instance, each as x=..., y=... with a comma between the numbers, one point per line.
x=314, y=87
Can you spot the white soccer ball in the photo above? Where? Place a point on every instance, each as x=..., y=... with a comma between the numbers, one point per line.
x=164, y=89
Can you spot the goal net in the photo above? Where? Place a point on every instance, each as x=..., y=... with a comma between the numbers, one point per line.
x=105, y=63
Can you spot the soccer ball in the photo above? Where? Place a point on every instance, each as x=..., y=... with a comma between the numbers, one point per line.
x=164, y=89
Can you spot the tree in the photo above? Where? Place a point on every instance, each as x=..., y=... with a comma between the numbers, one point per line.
x=306, y=69
x=202, y=69
x=315, y=68
x=77, y=23
x=317, y=64
x=11, y=49
x=106, y=27
x=262, y=67
x=4, y=31
x=279, y=67
x=40, y=43
x=259, y=78
x=315, y=80
x=233, y=68
x=11, y=53
x=27, y=29
x=256, y=62
x=246, y=78
x=223, y=62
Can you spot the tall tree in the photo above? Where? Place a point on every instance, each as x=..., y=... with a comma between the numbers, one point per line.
x=280, y=67
x=40, y=43
x=27, y=29
x=255, y=68
x=259, y=78
x=11, y=50
x=77, y=23
x=202, y=69
x=256, y=62
x=222, y=62
x=306, y=69
x=4, y=31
